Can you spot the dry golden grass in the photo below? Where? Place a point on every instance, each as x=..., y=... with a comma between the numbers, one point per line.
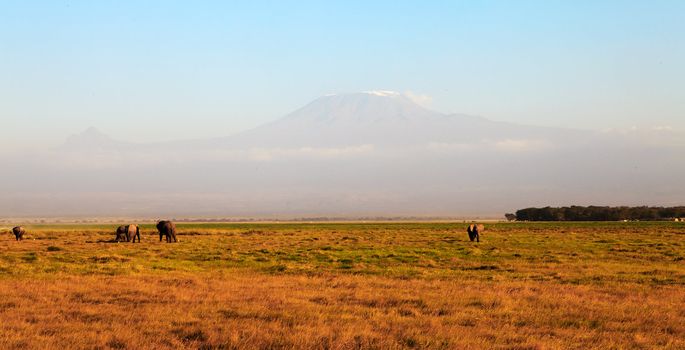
x=333, y=312
x=278, y=287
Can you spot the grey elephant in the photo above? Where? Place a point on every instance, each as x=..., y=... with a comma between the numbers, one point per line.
x=474, y=231
x=19, y=232
x=168, y=229
x=121, y=234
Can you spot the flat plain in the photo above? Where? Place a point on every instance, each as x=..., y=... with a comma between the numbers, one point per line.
x=346, y=286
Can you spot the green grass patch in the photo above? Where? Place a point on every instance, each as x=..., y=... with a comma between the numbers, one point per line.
x=648, y=253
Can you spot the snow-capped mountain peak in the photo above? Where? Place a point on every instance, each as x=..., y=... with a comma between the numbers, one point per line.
x=384, y=93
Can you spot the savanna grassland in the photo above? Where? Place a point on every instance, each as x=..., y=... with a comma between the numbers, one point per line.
x=346, y=286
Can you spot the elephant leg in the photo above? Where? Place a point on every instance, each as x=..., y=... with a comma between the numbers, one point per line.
x=477, y=237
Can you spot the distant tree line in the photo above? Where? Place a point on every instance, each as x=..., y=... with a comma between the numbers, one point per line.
x=597, y=213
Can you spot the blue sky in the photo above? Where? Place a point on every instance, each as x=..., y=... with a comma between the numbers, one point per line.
x=159, y=70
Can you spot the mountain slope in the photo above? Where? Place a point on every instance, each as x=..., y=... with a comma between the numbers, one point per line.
x=383, y=119
x=92, y=140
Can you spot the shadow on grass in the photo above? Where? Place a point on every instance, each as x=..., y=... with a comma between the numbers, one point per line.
x=107, y=241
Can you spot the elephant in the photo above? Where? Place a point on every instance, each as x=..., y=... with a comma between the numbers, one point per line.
x=168, y=229
x=18, y=232
x=122, y=233
x=474, y=231
x=132, y=231
x=128, y=233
